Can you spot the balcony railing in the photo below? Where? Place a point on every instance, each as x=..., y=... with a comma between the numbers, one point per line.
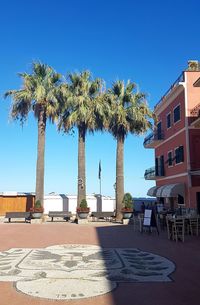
x=153, y=139
x=152, y=173
x=175, y=84
x=195, y=112
x=195, y=116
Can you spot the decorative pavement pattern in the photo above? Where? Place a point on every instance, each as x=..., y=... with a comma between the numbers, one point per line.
x=67, y=272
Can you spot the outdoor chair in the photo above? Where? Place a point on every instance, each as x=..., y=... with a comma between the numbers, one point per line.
x=162, y=221
x=178, y=229
x=140, y=220
x=168, y=220
x=193, y=226
x=137, y=222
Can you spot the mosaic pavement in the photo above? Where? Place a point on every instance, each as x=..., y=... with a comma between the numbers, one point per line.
x=66, y=272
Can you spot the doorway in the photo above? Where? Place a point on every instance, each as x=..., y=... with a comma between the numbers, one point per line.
x=198, y=202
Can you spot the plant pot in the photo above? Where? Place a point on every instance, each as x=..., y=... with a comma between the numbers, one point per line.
x=127, y=215
x=82, y=215
x=36, y=215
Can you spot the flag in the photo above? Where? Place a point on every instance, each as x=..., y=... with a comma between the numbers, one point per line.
x=99, y=169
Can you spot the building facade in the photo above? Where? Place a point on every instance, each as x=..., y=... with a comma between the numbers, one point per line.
x=176, y=141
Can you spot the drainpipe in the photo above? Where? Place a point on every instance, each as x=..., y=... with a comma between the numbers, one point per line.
x=187, y=137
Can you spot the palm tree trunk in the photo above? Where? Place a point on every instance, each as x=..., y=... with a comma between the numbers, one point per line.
x=39, y=193
x=81, y=166
x=119, y=177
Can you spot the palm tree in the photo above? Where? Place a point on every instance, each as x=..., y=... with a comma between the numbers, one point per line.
x=39, y=93
x=83, y=108
x=129, y=114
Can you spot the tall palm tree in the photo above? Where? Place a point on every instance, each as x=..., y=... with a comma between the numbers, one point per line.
x=129, y=114
x=39, y=93
x=83, y=108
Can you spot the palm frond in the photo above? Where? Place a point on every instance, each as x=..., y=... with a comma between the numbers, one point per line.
x=129, y=110
x=41, y=90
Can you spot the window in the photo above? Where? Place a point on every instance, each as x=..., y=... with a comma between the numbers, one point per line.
x=177, y=114
x=162, y=169
x=169, y=120
x=170, y=160
x=179, y=154
x=159, y=166
x=156, y=166
x=180, y=199
x=159, y=131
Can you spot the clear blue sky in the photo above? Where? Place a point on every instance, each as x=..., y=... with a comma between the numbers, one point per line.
x=148, y=42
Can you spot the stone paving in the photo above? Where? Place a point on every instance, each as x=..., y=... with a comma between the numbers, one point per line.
x=101, y=264
x=79, y=271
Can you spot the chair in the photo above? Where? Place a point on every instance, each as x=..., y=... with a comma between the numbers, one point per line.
x=162, y=221
x=193, y=226
x=136, y=223
x=178, y=229
x=169, y=227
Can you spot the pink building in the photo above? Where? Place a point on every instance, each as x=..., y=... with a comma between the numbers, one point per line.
x=176, y=140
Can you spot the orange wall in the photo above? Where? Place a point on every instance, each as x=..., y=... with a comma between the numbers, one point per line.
x=182, y=179
x=194, y=140
x=193, y=199
x=193, y=99
x=15, y=204
x=180, y=99
x=167, y=146
x=193, y=93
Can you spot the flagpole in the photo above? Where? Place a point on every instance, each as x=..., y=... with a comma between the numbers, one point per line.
x=100, y=185
x=100, y=202
x=100, y=177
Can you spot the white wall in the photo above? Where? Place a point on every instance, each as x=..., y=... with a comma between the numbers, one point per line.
x=72, y=203
x=69, y=203
x=53, y=203
x=92, y=202
x=108, y=204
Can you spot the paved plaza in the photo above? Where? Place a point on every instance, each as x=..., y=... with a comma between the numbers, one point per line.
x=100, y=263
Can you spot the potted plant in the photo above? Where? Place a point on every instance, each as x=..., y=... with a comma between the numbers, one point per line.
x=83, y=210
x=37, y=210
x=127, y=210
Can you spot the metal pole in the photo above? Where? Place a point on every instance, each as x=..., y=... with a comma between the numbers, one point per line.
x=100, y=186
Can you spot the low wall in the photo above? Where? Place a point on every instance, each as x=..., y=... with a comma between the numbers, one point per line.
x=69, y=203
x=53, y=202
x=15, y=202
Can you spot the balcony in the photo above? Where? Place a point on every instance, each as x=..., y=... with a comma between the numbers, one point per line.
x=195, y=116
x=152, y=174
x=153, y=139
x=178, y=82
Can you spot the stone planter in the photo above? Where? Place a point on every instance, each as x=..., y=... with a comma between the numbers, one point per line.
x=127, y=215
x=36, y=215
x=82, y=215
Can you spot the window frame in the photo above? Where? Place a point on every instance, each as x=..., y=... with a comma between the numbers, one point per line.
x=169, y=113
x=179, y=105
x=159, y=122
x=175, y=154
x=170, y=151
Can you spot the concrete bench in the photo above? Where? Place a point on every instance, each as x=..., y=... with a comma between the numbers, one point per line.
x=25, y=215
x=62, y=214
x=108, y=216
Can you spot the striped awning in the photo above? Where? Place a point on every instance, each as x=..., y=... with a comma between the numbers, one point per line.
x=170, y=190
x=152, y=191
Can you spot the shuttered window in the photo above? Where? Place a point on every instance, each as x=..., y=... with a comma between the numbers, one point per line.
x=177, y=114
x=169, y=120
x=162, y=168
x=179, y=154
x=170, y=158
x=159, y=166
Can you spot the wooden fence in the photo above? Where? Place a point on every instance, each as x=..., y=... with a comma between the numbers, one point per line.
x=15, y=203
